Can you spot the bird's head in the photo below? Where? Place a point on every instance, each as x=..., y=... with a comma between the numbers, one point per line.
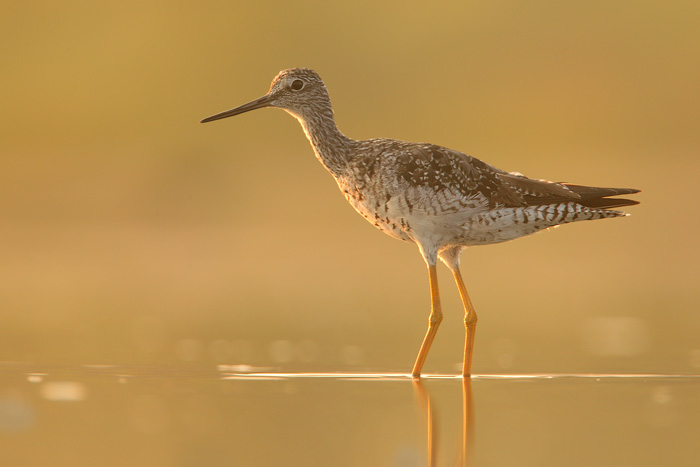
x=299, y=91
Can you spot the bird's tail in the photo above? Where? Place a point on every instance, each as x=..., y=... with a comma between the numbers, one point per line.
x=599, y=198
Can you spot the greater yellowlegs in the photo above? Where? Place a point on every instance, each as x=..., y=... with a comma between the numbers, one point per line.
x=438, y=198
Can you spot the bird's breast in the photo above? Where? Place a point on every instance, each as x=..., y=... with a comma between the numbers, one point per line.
x=378, y=207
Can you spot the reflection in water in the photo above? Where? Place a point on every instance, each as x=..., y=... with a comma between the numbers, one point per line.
x=244, y=372
x=467, y=420
x=35, y=377
x=431, y=411
x=426, y=404
x=196, y=415
x=63, y=391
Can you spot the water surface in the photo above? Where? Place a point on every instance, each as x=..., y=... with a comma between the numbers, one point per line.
x=240, y=415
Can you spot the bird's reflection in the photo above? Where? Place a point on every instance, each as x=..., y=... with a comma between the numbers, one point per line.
x=424, y=400
x=431, y=417
x=426, y=404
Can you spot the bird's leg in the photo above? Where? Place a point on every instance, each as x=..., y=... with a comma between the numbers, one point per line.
x=433, y=322
x=469, y=322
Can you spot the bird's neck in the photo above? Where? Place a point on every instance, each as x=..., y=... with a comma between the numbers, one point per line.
x=332, y=147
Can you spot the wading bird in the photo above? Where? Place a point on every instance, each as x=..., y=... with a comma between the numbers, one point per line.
x=438, y=198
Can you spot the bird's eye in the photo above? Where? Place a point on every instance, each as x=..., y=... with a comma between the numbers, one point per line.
x=297, y=84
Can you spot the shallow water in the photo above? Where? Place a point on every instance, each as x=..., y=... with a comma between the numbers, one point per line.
x=241, y=415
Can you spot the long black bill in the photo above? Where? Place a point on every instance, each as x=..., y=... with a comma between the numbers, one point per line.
x=264, y=101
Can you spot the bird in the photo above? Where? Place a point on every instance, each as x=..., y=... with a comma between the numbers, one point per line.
x=438, y=198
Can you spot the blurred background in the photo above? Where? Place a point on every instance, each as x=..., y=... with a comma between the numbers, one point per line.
x=132, y=234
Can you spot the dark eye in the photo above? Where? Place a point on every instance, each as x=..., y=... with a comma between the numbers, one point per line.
x=297, y=84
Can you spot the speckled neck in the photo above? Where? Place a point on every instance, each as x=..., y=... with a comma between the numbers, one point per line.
x=331, y=146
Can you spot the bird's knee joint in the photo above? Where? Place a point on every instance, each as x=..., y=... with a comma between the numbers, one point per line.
x=470, y=319
x=434, y=320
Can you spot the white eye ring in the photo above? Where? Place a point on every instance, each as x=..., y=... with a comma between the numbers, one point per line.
x=297, y=85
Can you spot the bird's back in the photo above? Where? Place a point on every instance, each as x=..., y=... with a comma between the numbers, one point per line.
x=418, y=190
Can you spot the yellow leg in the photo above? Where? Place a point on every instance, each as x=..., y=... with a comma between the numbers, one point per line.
x=433, y=322
x=469, y=324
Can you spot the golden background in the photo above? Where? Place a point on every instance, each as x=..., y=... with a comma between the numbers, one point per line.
x=132, y=234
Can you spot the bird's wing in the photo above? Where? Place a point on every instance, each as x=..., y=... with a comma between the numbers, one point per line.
x=443, y=169
x=441, y=181
x=536, y=188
